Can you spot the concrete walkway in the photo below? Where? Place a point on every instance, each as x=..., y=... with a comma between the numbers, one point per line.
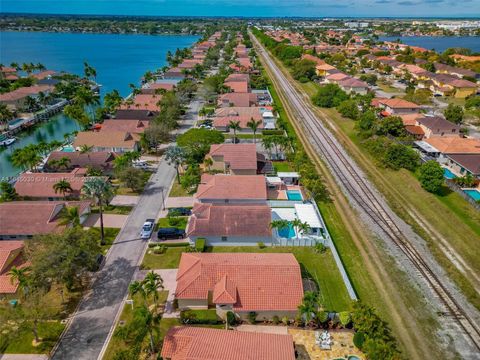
x=186, y=201
x=109, y=220
x=169, y=277
x=23, y=357
x=125, y=200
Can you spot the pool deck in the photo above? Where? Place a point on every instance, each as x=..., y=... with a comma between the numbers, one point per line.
x=307, y=349
x=281, y=194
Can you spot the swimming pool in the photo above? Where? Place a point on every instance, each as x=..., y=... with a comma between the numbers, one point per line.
x=295, y=195
x=287, y=232
x=68, y=148
x=448, y=174
x=15, y=122
x=474, y=194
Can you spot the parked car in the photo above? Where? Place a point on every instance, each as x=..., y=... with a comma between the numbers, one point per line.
x=147, y=229
x=179, y=211
x=170, y=233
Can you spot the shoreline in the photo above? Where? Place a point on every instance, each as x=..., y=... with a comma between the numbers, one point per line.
x=97, y=33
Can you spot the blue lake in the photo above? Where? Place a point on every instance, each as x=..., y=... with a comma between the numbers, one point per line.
x=439, y=43
x=119, y=60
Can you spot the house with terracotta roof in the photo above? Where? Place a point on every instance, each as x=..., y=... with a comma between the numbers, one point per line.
x=24, y=219
x=130, y=126
x=438, y=126
x=197, y=343
x=135, y=114
x=323, y=69
x=143, y=102
x=11, y=255
x=238, y=86
x=243, y=115
x=237, y=99
x=8, y=73
x=395, y=106
x=39, y=186
x=158, y=87
x=16, y=98
x=335, y=78
x=267, y=284
x=463, y=164
x=353, y=85
x=174, y=73
x=99, y=160
x=230, y=224
x=112, y=141
x=234, y=189
x=44, y=74
x=236, y=159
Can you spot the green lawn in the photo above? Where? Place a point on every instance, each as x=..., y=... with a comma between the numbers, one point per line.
x=116, y=342
x=282, y=166
x=113, y=209
x=178, y=191
x=110, y=235
x=208, y=316
x=168, y=260
x=321, y=267
x=388, y=88
x=21, y=343
x=165, y=223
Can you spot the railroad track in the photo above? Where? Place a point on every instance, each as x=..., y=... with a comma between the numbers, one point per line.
x=360, y=190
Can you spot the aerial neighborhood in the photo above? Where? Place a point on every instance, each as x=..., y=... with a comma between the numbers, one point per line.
x=274, y=190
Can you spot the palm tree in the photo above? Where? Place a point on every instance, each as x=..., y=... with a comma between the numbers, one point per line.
x=85, y=148
x=62, y=186
x=252, y=124
x=5, y=114
x=267, y=144
x=85, y=97
x=77, y=113
x=20, y=276
x=69, y=216
x=100, y=189
x=279, y=224
x=63, y=162
x=151, y=284
x=235, y=126
x=309, y=306
x=175, y=156
x=208, y=162
x=26, y=158
x=296, y=223
x=151, y=322
x=303, y=227
x=135, y=288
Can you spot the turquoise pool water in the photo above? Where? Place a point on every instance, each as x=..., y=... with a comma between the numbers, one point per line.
x=15, y=122
x=474, y=194
x=448, y=174
x=68, y=148
x=287, y=232
x=294, y=195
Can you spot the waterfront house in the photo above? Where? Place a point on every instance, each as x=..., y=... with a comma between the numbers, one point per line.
x=188, y=343
x=158, y=87
x=113, y=141
x=24, y=219
x=99, y=160
x=267, y=284
x=39, y=186
x=47, y=74
x=130, y=126
x=8, y=73
x=149, y=102
x=11, y=255
x=16, y=98
x=134, y=114
x=174, y=73
x=234, y=189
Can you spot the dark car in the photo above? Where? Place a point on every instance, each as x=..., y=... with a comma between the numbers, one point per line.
x=170, y=233
x=179, y=211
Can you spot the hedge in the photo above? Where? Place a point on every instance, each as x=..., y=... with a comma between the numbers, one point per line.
x=272, y=132
x=200, y=244
x=199, y=317
x=181, y=244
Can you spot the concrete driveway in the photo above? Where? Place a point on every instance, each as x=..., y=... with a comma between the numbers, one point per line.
x=169, y=277
x=109, y=220
x=125, y=200
x=186, y=201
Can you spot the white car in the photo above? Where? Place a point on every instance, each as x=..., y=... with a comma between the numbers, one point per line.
x=147, y=229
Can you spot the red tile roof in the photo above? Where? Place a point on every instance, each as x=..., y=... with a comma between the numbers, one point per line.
x=131, y=126
x=196, y=343
x=111, y=139
x=263, y=282
x=23, y=92
x=34, y=217
x=246, y=220
x=40, y=185
x=223, y=116
x=143, y=102
x=237, y=99
x=44, y=74
x=233, y=187
x=10, y=255
x=238, y=86
x=238, y=156
x=395, y=103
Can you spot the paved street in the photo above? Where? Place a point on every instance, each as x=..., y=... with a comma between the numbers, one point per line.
x=90, y=327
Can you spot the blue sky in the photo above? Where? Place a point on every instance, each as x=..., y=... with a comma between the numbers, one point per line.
x=321, y=8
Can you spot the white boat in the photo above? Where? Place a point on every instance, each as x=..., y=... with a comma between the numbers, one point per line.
x=8, y=141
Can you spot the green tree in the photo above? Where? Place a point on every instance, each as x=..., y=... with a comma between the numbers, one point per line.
x=431, y=176
x=454, y=113
x=367, y=120
x=401, y=156
x=26, y=158
x=391, y=125
x=63, y=187
x=152, y=283
x=99, y=189
x=253, y=125
x=279, y=224
x=191, y=178
x=303, y=70
x=5, y=114
x=20, y=276
x=175, y=156
x=112, y=101
x=69, y=216
x=132, y=178
x=156, y=134
x=77, y=113
x=348, y=109
x=309, y=306
x=7, y=192
x=197, y=141
x=235, y=126
x=329, y=96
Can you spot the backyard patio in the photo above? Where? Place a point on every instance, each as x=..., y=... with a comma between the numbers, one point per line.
x=341, y=347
